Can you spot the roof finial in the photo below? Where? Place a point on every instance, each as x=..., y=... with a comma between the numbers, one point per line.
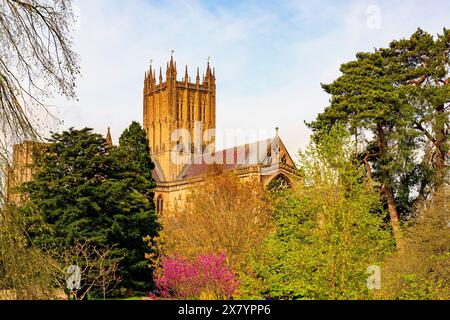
x=277, y=130
x=208, y=70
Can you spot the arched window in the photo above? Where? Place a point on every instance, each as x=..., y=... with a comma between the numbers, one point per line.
x=279, y=183
x=269, y=157
x=159, y=204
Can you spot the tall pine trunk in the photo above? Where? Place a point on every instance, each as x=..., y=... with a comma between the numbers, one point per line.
x=387, y=190
x=440, y=145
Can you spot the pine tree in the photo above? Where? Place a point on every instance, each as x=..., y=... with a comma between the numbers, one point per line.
x=366, y=100
x=85, y=190
x=134, y=152
x=395, y=100
x=419, y=65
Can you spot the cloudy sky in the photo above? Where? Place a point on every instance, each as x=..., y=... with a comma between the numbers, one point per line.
x=270, y=56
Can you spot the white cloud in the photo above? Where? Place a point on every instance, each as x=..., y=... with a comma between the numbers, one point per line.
x=270, y=59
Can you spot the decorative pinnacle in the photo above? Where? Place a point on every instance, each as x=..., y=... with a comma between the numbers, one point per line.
x=108, y=138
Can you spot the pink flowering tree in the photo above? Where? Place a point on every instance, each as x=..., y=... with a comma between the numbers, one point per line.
x=206, y=277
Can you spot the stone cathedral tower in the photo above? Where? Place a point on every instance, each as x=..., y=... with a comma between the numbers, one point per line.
x=170, y=105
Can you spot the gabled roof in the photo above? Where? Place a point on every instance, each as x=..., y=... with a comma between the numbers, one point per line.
x=262, y=152
x=157, y=173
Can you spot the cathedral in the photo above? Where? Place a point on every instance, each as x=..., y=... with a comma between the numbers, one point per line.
x=190, y=107
x=179, y=118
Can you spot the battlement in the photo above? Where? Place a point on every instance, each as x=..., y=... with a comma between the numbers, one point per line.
x=152, y=84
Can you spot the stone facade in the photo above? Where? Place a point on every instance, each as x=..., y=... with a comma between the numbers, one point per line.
x=20, y=170
x=173, y=105
x=187, y=105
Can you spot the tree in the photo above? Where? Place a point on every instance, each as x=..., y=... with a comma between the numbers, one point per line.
x=134, y=143
x=365, y=99
x=420, y=66
x=205, y=277
x=224, y=215
x=97, y=266
x=36, y=59
x=141, y=221
x=25, y=272
x=395, y=100
x=83, y=189
x=422, y=271
x=328, y=231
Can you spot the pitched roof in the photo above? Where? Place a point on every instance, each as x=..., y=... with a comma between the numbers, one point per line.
x=157, y=173
x=235, y=158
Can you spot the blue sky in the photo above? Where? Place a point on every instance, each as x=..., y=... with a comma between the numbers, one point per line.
x=270, y=56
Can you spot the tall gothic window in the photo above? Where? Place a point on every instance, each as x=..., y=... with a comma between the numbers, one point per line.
x=203, y=111
x=180, y=110
x=189, y=109
x=159, y=204
x=192, y=108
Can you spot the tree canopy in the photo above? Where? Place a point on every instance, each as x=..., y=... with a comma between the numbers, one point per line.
x=395, y=102
x=84, y=189
x=328, y=231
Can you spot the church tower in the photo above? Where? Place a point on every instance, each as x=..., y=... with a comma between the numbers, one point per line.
x=170, y=105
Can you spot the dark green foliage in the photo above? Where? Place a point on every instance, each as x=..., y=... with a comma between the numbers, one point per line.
x=85, y=190
x=395, y=101
x=134, y=143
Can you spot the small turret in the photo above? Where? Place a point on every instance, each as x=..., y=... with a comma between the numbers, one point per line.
x=197, y=80
x=208, y=72
x=150, y=74
x=171, y=72
x=108, y=138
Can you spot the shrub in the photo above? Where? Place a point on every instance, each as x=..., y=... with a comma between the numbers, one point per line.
x=205, y=277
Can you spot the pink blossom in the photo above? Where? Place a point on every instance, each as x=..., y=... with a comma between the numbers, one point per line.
x=183, y=279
